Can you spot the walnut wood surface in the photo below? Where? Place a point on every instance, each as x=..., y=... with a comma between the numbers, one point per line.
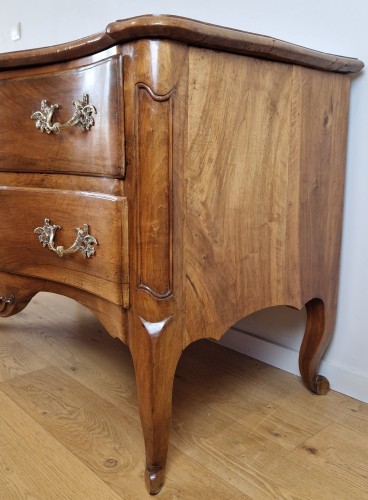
x=102, y=274
x=264, y=188
x=231, y=200
x=112, y=316
x=155, y=356
x=154, y=157
x=64, y=182
x=95, y=152
x=187, y=31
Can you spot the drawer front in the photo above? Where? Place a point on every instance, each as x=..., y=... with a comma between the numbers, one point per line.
x=98, y=151
x=102, y=272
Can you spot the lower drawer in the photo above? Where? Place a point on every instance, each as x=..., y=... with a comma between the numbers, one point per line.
x=92, y=259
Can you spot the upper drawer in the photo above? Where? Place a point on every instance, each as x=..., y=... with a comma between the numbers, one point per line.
x=98, y=151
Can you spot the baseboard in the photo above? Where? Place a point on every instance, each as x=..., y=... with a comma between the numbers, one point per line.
x=342, y=379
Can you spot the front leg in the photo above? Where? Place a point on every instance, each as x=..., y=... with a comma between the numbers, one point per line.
x=155, y=356
x=316, y=339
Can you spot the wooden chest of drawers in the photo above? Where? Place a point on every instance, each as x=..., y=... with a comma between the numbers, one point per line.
x=174, y=177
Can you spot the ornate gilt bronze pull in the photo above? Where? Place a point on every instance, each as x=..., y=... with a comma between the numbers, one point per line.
x=4, y=301
x=82, y=116
x=84, y=242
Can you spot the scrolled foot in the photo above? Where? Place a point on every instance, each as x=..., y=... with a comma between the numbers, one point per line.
x=6, y=302
x=9, y=305
x=317, y=336
x=12, y=303
x=321, y=385
x=154, y=476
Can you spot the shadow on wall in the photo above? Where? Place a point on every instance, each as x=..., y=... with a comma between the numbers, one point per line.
x=282, y=326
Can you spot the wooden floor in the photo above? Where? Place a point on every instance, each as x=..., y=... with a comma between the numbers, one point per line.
x=69, y=425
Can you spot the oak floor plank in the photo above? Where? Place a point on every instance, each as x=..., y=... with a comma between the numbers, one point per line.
x=79, y=346
x=102, y=437
x=51, y=472
x=89, y=427
x=16, y=359
x=330, y=465
x=240, y=428
x=249, y=400
x=322, y=466
x=328, y=450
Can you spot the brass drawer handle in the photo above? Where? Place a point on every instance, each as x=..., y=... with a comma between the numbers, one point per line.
x=82, y=116
x=4, y=301
x=84, y=242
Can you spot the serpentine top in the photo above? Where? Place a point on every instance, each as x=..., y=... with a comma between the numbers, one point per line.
x=187, y=31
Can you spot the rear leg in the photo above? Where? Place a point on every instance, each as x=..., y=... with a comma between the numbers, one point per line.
x=316, y=340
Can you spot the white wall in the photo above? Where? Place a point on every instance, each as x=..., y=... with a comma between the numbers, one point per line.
x=333, y=26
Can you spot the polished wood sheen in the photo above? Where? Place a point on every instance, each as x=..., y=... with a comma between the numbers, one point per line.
x=97, y=152
x=101, y=274
x=187, y=31
x=154, y=157
x=212, y=181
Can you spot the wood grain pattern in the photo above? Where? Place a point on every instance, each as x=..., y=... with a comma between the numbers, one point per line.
x=240, y=42
x=187, y=31
x=154, y=156
x=290, y=444
x=16, y=360
x=160, y=66
x=53, y=472
x=230, y=202
x=237, y=174
x=64, y=182
x=274, y=238
x=61, y=407
x=319, y=153
x=101, y=274
x=112, y=316
x=96, y=152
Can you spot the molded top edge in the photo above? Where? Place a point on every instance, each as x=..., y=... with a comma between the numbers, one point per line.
x=187, y=31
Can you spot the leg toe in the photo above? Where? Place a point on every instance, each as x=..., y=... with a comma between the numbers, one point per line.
x=321, y=385
x=154, y=477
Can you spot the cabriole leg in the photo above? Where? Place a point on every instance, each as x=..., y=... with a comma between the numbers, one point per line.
x=155, y=358
x=316, y=339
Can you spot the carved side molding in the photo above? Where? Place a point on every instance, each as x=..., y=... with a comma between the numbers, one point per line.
x=154, y=153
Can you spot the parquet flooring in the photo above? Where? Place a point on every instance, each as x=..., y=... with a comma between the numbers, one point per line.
x=69, y=423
